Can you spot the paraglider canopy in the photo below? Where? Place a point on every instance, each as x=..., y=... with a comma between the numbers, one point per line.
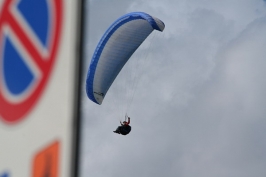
x=115, y=48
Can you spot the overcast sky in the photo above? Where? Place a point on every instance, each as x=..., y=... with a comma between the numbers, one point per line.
x=200, y=95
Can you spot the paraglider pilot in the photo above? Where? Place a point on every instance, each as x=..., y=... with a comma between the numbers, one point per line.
x=125, y=128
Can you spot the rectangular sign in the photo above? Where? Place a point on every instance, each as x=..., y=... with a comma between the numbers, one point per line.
x=39, y=65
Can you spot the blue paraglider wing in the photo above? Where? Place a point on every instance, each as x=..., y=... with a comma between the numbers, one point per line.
x=115, y=48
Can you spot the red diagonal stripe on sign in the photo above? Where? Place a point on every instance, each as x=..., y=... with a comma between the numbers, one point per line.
x=25, y=40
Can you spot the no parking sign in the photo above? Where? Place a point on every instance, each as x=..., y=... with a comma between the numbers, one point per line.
x=38, y=65
x=29, y=38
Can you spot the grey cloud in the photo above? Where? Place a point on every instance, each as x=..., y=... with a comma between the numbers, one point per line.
x=199, y=105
